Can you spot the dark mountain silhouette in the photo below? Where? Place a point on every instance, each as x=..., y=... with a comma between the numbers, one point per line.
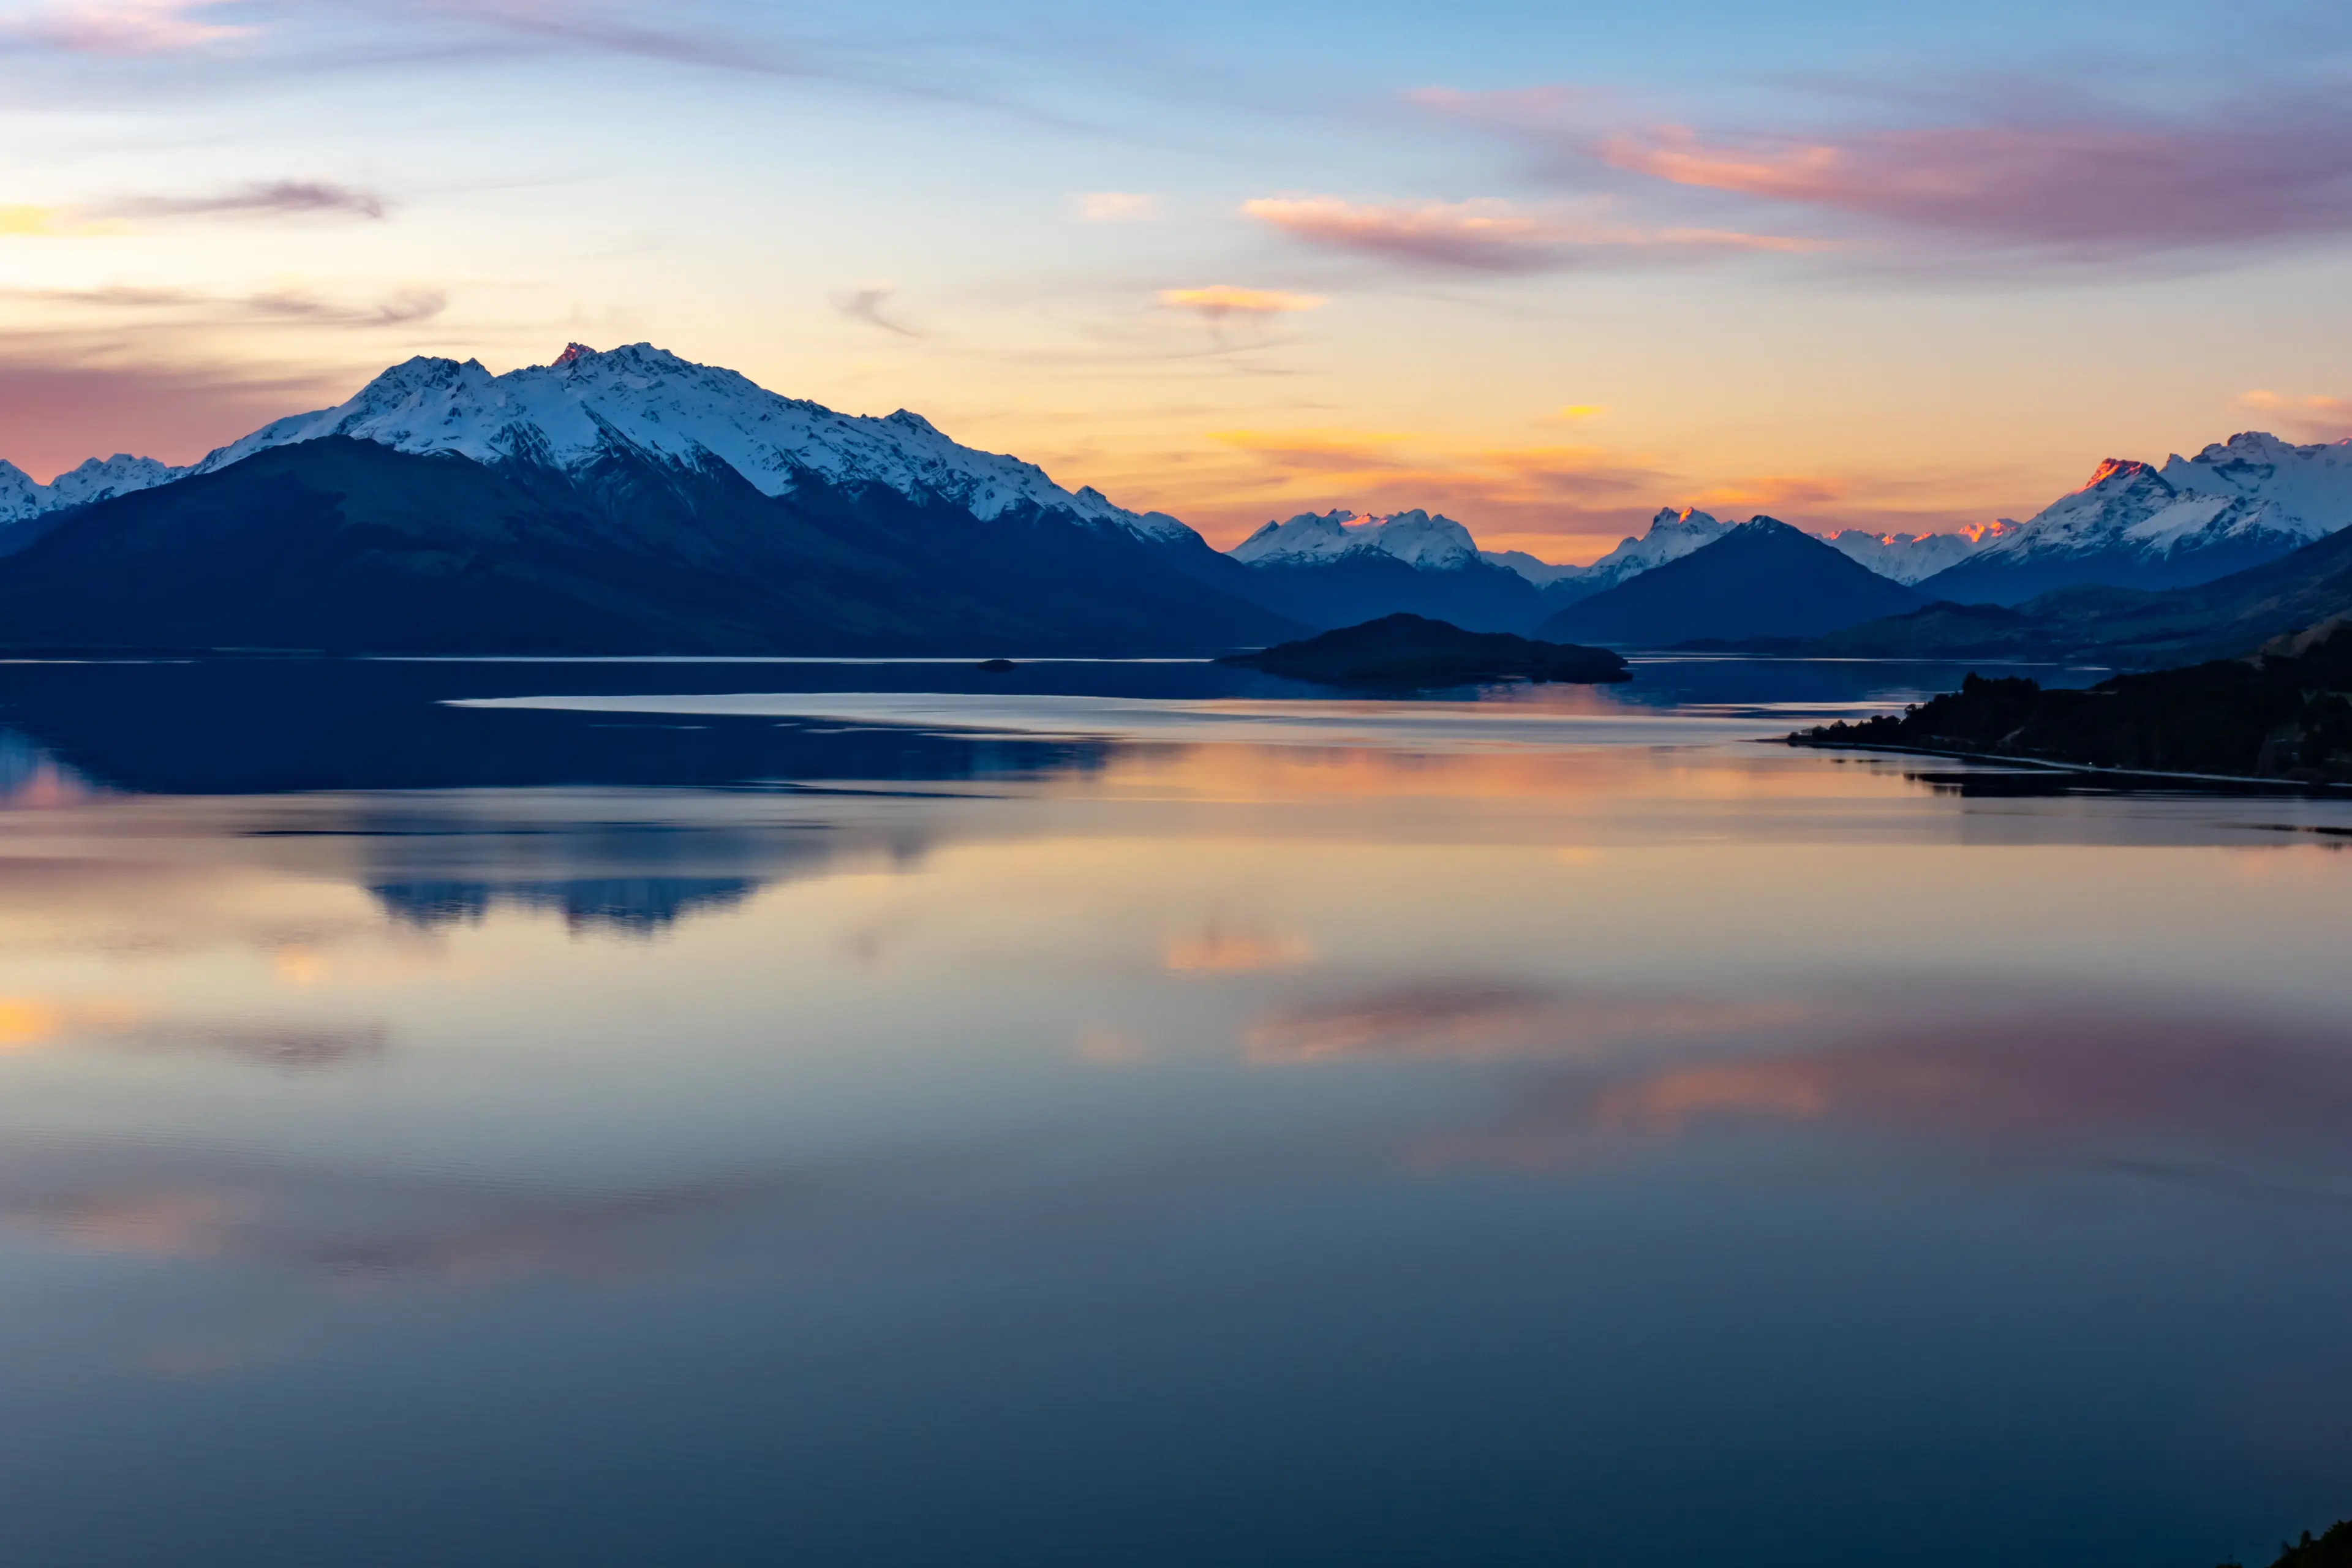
x=1412, y=650
x=347, y=546
x=1365, y=586
x=2286, y=713
x=1763, y=579
x=2122, y=626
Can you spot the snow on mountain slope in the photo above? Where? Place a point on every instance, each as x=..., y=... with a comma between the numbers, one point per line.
x=1671, y=536
x=2251, y=487
x=1542, y=574
x=563, y=414
x=1416, y=538
x=2309, y=490
x=1916, y=557
x=20, y=498
x=96, y=479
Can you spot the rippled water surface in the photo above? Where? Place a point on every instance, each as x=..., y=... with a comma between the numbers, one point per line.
x=657, y=1112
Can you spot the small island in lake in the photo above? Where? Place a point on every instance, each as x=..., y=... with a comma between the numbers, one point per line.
x=1415, y=651
x=2284, y=712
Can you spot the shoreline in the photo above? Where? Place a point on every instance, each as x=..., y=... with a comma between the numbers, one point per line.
x=2244, y=782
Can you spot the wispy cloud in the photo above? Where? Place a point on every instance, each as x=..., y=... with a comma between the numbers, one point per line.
x=866, y=305
x=2022, y=172
x=1483, y=235
x=1118, y=207
x=2314, y=418
x=124, y=27
x=275, y=198
x=123, y=215
x=401, y=307
x=1222, y=301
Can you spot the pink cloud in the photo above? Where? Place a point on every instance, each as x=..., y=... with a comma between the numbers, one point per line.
x=127, y=27
x=2073, y=181
x=2314, y=418
x=1483, y=235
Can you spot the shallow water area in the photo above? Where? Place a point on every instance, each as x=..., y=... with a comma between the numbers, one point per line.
x=482, y=1111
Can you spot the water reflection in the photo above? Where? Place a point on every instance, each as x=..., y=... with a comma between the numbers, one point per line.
x=576, y=1133
x=639, y=905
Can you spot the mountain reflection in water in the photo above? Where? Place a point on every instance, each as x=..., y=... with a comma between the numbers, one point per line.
x=1148, y=1119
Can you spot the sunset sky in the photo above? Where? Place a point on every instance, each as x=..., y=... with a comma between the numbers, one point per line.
x=1545, y=267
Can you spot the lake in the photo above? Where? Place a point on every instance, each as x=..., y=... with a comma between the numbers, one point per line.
x=679, y=1112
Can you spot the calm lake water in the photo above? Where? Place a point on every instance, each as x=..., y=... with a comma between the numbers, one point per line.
x=654, y=1113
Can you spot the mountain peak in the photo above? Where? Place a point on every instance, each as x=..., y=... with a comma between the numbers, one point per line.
x=568, y=413
x=2124, y=470
x=1416, y=537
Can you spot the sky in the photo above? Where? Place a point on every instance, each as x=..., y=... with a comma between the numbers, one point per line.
x=1543, y=267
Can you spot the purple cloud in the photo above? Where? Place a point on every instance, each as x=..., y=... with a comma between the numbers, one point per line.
x=1485, y=235
x=2078, y=182
x=275, y=198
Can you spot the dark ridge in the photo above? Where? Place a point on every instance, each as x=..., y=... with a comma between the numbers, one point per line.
x=343, y=546
x=2125, y=626
x=1412, y=651
x=2284, y=713
x=1763, y=580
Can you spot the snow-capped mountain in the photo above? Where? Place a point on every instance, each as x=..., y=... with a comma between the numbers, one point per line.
x=97, y=480
x=1916, y=557
x=1762, y=579
x=2236, y=504
x=568, y=413
x=1415, y=538
x=616, y=502
x=1328, y=569
x=1542, y=574
x=1671, y=536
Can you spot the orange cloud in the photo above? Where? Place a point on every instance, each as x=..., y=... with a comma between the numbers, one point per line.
x=1485, y=235
x=1221, y=300
x=1674, y=153
x=1565, y=498
x=1767, y=491
x=2323, y=418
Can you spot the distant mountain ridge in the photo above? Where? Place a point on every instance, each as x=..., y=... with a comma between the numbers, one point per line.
x=1760, y=580
x=2132, y=628
x=624, y=501
x=566, y=414
x=2236, y=504
x=1914, y=558
x=1334, y=569
x=592, y=432
x=337, y=545
x=97, y=480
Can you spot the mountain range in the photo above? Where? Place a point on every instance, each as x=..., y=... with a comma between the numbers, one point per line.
x=2236, y=504
x=631, y=500
x=1318, y=569
x=616, y=502
x=1762, y=579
